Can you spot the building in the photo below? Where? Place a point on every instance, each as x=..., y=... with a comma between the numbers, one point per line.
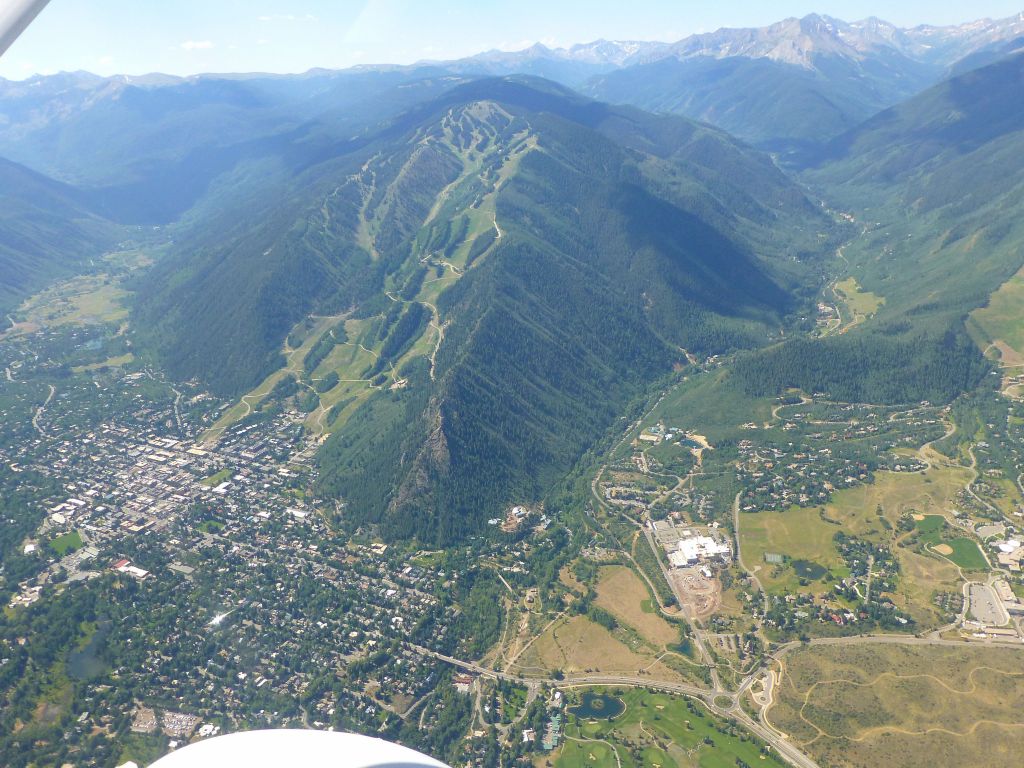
x=462, y=683
x=698, y=549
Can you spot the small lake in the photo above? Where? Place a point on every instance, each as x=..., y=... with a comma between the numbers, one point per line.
x=693, y=445
x=86, y=663
x=598, y=706
x=809, y=570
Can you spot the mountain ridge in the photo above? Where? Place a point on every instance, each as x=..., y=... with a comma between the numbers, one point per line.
x=512, y=264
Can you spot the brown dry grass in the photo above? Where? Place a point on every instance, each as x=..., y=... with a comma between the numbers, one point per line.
x=621, y=592
x=576, y=645
x=914, y=706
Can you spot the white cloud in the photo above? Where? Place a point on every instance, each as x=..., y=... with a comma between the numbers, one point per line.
x=196, y=45
x=105, y=61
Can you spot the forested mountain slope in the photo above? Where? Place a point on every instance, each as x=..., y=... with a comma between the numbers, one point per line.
x=46, y=231
x=771, y=103
x=937, y=188
x=942, y=175
x=517, y=262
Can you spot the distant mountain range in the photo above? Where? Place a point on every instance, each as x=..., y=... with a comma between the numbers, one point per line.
x=790, y=41
x=785, y=86
x=796, y=81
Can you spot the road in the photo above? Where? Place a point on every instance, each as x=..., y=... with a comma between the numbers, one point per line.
x=712, y=698
x=697, y=631
x=720, y=702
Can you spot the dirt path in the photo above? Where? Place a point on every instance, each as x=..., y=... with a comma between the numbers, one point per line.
x=929, y=455
x=513, y=661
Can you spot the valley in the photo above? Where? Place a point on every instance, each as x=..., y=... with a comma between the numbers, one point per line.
x=447, y=404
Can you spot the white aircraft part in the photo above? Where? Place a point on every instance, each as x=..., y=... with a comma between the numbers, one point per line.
x=298, y=748
x=15, y=16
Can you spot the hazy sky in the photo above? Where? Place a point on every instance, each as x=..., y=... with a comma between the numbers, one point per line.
x=189, y=36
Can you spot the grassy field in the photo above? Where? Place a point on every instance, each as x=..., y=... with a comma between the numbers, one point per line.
x=662, y=731
x=85, y=299
x=913, y=706
x=1001, y=320
x=799, y=533
x=576, y=645
x=921, y=576
x=899, y=493
x=802, y=534
x=711, y=405
x=621, y=592
x=860, y=304
x=110, y=362
x=216, y=479
x=68, y=542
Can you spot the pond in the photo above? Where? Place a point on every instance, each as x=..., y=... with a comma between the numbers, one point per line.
x=693, y=445
x=86, y=663
x=809, y=570
x=598, y=706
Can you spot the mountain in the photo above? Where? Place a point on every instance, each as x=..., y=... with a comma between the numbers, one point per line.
x=47, y=230
x=799, y=81
x=937, y=187
x=511, y=264
x=149, y=148
x=946, y=168
x=571, y=66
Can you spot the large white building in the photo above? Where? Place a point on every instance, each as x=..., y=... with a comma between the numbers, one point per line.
x=692, y=550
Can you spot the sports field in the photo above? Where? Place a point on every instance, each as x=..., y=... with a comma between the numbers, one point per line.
x=959, y=550
x=68, y=542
